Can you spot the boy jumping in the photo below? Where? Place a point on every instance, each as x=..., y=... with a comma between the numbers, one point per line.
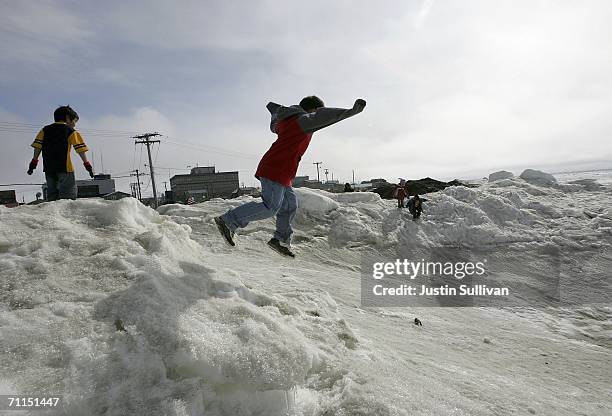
x=294, y=126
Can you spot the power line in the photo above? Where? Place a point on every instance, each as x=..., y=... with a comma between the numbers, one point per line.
x=203, y=146
x=140, y=158
x=85, y=133
x=157, y=153
x=171, y=168
x=134, y=157
x=30, y=126
x=118, y=134
x=122, y=172
x=213, y=149
x=22, y=184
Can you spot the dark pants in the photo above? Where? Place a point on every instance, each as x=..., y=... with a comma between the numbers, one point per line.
x=400, y=202
x=416, y=213
x=60, y=186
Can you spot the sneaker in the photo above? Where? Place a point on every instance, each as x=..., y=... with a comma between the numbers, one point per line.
x=225, y=231
x=279, y=248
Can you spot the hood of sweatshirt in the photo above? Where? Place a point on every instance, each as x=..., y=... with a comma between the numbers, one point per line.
x=285, y=112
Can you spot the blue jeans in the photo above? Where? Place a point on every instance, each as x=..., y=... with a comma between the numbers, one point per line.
x=277, y=200
x=60, y=186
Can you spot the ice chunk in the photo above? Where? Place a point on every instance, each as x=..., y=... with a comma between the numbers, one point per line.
x=315, y=202
x=538, y=177
x=502, y=174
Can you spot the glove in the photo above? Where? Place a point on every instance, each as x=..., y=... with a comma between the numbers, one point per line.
x=32, y=166
x=359, y=104
x=89, y=168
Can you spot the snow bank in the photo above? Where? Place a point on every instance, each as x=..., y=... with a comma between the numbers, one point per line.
x=588, y=184
x=506, y=211
x=355, y=197
x=75, y=273
x=316, y=203
x=242, y=331
x=538, y=177
x=502, y=174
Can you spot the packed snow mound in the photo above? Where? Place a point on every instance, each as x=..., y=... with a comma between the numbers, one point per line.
x=128, y=310
x=197, y=339
x=315, y=203
x=588, y=184
x=319, y=201
x=355, y=197
x=538, y=177
x=502, y=174
x=503, y=212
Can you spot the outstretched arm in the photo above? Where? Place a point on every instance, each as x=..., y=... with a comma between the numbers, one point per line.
x=272, y=108
x=326, y=116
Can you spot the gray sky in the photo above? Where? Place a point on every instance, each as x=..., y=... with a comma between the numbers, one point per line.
x=454, y=88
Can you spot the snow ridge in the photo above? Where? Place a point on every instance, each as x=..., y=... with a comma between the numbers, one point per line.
x=127, y=310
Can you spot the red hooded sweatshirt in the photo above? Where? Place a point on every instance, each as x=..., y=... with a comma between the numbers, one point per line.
x=294, y=128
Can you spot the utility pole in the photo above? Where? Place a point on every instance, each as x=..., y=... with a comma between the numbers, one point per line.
x=353, y=177
x=318, y=163
x=137, y=184
x=326, y=172
x=146, y=140
x=165, y=186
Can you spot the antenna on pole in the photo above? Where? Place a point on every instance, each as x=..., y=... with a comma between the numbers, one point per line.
x=146, y=140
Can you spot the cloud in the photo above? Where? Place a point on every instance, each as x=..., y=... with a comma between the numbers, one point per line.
x=144, y=119
x=262, y=24
x=39, y=33
x=449, y=86
x=16, y=154
x=423, y=13
x=116, y=77
x=110, y=138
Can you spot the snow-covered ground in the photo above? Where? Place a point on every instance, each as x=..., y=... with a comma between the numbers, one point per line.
x=215, y=330
x=601, y=176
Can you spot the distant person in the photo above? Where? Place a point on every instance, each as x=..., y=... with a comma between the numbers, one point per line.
x=400, y=193
x=54, y=141
x=415, y=206
x=348, y=187
x=294, y=127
